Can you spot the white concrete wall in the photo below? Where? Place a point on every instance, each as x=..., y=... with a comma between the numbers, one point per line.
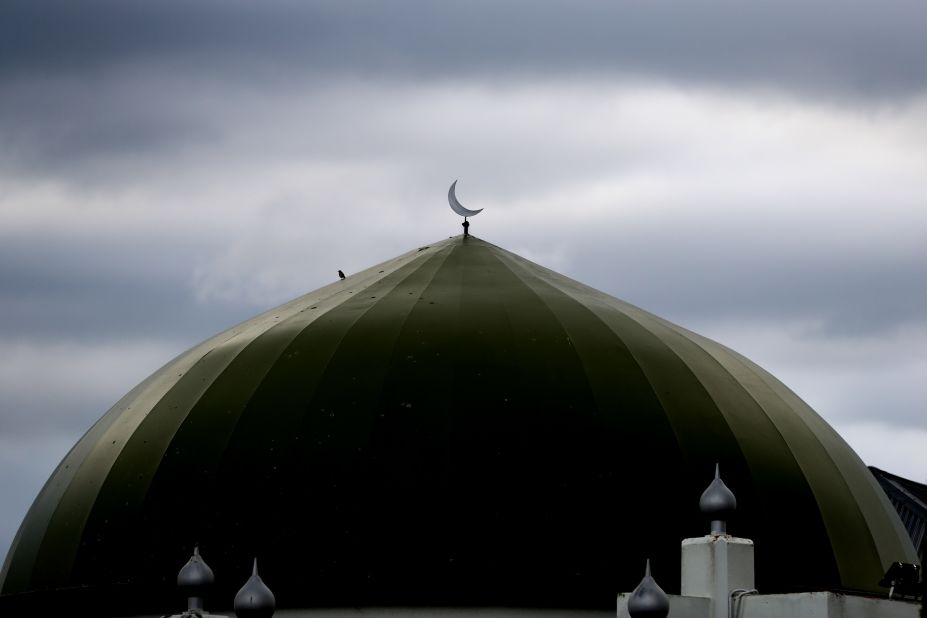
x=713, y=566
x=824, y=605
x=801, y=605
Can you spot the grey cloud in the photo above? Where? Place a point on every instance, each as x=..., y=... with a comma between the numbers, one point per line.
x=93, y=292
x=37, y=409
x=855, y=378
x=62, y=387
x=858, y=379
x=907, y=457
x=25, y=464
x=97, y=126
x=860, y=48
x=254, y=148
x=694, y=268
x=719, y=258
x=848, y=294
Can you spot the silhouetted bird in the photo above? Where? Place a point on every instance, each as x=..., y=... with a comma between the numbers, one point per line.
x=341, y=274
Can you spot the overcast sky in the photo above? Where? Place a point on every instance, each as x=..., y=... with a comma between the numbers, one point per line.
x=753, y=171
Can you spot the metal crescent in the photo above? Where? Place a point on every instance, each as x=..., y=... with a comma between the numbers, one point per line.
x=456, y=206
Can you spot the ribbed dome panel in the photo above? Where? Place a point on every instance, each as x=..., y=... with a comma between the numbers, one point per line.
x=455, y=426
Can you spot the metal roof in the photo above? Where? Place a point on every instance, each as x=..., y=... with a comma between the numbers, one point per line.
x=456, y=426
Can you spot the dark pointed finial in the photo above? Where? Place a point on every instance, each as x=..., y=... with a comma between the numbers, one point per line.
x=648, y=600
x=255, y=600
x=718, y=502
x=195, y=573
x=194, y=577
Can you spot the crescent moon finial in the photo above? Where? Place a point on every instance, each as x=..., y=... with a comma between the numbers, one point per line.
x=457, y=206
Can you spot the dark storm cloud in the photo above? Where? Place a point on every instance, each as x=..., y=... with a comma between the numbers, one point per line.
x=71, y=122
x=863, y=48
x=96, y=88
x=93, y=88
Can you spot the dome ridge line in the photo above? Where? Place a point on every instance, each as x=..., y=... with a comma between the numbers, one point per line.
x=601, y=305
x=458, y=418
x=635, y=313
x=534, y=283
x=163, y=381
x=870, y=498
x=443, y=253
x=820, y=479
x=572, y=289
x=255, y=344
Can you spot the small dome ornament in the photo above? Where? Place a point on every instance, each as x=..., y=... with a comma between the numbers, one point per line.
x=718, y=502
x=194, y=577
x=648, y=600
x=255, y=600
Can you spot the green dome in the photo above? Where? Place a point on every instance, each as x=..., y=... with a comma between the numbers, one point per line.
x=455, y=426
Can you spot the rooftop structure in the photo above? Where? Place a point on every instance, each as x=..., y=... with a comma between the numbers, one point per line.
x=455, y=427
x=910, y=500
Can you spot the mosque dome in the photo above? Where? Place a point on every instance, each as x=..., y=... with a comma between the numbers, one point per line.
x=456, y=426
